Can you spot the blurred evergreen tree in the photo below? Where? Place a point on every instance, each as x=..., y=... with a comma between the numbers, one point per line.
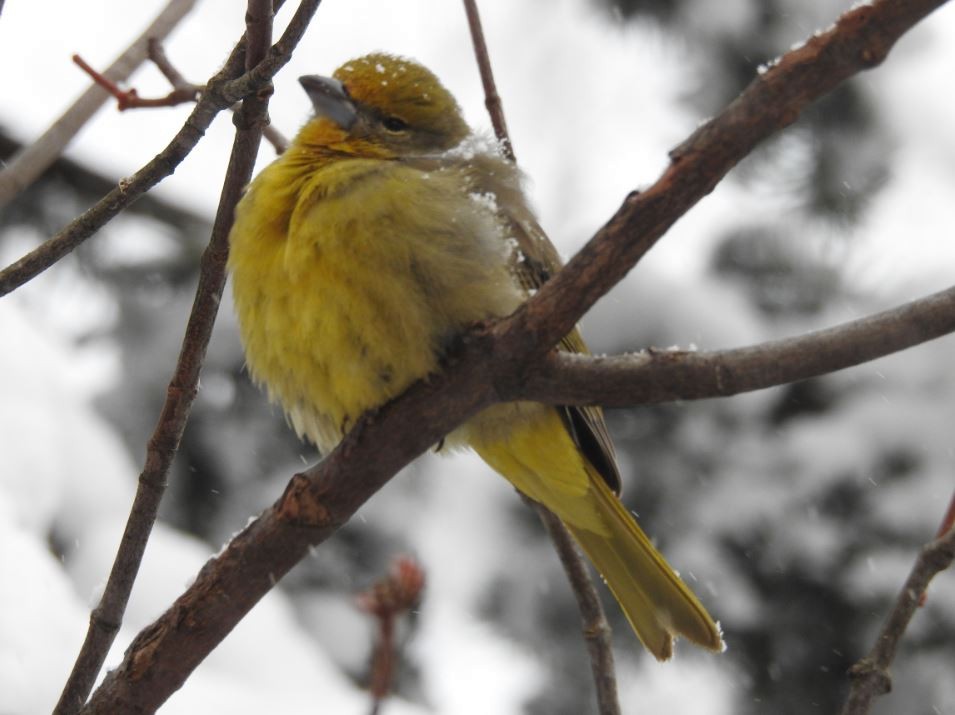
x=774, y=496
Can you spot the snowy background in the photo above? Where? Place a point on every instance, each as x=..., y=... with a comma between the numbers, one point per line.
x=795, y=513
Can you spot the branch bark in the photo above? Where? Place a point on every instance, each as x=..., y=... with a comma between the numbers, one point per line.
x=492, y=100
x=870, y=677
x=107, y=616
x=33, y=160
x=596, y=631
x=662, y=376
x=859, y=40
x=318, y=501
x=224, y=89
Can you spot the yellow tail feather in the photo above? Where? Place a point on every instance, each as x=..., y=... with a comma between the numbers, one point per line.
x=655, y=600
x=529, y=445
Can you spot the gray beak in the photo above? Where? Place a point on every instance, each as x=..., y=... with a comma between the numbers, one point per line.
x=329, y=99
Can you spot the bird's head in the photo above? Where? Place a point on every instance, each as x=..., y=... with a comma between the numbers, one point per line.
x=382, y=105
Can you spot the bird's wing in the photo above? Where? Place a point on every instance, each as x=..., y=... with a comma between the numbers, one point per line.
x=537, y=261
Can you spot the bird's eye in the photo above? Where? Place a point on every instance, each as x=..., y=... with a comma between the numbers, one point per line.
x=394, y=124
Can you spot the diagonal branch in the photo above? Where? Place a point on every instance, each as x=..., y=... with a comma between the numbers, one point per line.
x=107, y=208
x=318, y=501
x=33, y=160
x=870, y=677
x=223, y=90
x=859, y=40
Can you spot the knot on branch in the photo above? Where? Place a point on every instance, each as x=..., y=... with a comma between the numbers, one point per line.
x=103, y=622
x=257, y=118
x=300, y=506
x=939, y=554
x=878, y=677
x=597, y=630
x=141, y=653
x=865, y=22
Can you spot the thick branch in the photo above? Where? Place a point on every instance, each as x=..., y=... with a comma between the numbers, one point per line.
x=315, y=504
x=318, y=501
x=663, y=376
x=33, y=160
x=870, y=676
x=859, y=40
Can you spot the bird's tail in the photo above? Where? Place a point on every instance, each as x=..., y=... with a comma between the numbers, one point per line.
x=530, y=446
x=655, y=600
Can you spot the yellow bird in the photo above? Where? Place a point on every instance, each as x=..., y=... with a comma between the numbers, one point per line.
x=357, y=256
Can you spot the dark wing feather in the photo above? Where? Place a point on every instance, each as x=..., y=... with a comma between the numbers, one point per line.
x=533, y=264
x=540, y=260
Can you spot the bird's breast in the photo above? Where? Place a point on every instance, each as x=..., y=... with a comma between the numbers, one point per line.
x=350, y=289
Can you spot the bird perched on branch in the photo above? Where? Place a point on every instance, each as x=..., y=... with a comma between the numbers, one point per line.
x=387, y=229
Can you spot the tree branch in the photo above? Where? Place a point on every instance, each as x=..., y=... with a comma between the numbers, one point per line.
x=596, y=631
x=859, y=40
x=107, y=616
x=182, y=92
x=662, y=376
x=318, y=501
x=870, y=677
x=492, y=99
x=223, y=90
x=179, y=83
x=33, y=160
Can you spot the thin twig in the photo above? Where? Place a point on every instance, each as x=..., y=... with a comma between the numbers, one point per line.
x=157, y=55
x=597, y=632
x=29, y=163
x=130, y=99
x=387, y=600
x=183, y=92
x=274, y=137
x=108, y=615
x=491, y=98
x=948, y=521
x=222, y=91
x=870, y=677
x=946, y=525
x=318, y=501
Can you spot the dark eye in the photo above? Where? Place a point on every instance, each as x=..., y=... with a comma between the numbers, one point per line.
x=394, y=124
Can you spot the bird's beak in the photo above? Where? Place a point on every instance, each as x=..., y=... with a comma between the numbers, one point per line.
x=329, y=99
